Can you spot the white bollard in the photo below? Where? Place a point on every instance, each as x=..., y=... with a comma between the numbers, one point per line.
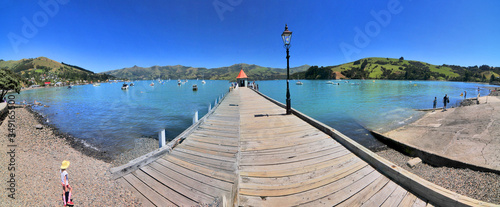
x=195, y=118
x=161, y=138
x=209, y=107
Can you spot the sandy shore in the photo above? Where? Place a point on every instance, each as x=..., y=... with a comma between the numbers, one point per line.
x=37, y=159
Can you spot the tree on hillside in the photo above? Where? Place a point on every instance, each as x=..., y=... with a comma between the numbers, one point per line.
x=401, y=58
x=8, y=81
x=315, y=72
x=492, y=78
x=363, y=65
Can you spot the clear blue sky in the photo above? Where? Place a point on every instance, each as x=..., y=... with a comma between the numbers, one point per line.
x=113, y=34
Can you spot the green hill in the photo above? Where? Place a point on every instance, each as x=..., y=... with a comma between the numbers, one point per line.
x=254, y=72
x=400, y=69
x=37, y=71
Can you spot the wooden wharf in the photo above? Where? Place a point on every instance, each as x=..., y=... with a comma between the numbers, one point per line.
x=246, y=152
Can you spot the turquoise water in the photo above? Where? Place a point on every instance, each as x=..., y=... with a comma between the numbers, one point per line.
x=381, y=105
x=110, y=119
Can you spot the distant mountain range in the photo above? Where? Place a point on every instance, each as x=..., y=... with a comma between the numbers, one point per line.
x=254, y=72
x=40, y=70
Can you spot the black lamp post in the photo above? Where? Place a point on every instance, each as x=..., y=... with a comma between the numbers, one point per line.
x=287, y=37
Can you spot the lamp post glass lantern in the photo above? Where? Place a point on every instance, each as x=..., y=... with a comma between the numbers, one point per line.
x=287, y=38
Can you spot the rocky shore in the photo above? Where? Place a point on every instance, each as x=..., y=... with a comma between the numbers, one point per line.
x=38, y=154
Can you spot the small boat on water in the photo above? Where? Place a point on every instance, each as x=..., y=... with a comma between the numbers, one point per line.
x=152, y=84
x=96, y=84
x=203, y=82
x=70, y=86
x=179, y=82
x=299, y=83
x=124, y=86
x=131, y=84
x=195, y=87
x=329, y=82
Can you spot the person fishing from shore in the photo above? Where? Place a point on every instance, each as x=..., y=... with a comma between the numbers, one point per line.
x=445, y=101
x=465, y=94
x=434, y=104
x=67, y=189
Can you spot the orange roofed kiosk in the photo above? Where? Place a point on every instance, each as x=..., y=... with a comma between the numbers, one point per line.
x=242, y=79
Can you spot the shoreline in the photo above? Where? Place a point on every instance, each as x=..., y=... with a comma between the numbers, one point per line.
x=483, y=186
x=465, y=133
x=143, y=145
x=37, y=160
x=75, y=142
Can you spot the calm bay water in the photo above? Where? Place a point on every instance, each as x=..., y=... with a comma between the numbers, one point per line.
x=379, y=105
x=110, y=119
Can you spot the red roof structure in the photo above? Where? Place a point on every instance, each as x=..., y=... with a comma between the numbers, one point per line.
x=242, y=75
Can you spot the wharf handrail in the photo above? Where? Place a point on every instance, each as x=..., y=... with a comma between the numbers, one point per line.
x=435, y=194
x=120, y=171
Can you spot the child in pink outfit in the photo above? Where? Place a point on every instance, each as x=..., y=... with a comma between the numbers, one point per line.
x=65, y=184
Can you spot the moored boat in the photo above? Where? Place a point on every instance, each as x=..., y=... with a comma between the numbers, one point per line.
x=195, y=87
x=124, y=86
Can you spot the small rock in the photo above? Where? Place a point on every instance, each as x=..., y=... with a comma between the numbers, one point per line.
x=411, y=163
x=38, y=126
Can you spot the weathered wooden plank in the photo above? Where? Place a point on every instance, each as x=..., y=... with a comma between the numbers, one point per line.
x=419, y=203
x=364, y=195
x=214, y=191
x=213, y=147
x=200, y=154
x=209, y=163
x=307, y=196
x=216, y=183
x=396, y=197
x=294, y=168
x=163, y=190
x=293, y=188
x=190, y=192
x=408, y=200
x=381, y=196
x=143, y=199
x=291, y=151
x=288, y=158
x=216, y=174
x=215, y=140
x=146, y=191
x=276, y=144
x=206, y=151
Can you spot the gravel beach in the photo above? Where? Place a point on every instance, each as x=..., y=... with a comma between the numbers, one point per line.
x=478, y=185
x=38, y=157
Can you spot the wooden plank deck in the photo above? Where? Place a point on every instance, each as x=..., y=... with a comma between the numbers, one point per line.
x=248, y=153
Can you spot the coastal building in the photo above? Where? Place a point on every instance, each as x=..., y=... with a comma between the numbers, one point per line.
x=242, y=79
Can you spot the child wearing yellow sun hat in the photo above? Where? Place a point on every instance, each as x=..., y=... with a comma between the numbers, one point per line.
x=65, y=184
